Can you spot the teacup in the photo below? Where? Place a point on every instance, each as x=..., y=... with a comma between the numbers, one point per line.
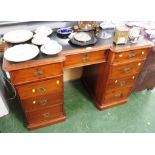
x=50, y=45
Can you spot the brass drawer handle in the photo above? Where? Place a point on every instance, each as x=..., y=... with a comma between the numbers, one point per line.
x=43, y=102
x=131, y=56
x=41, y=89
x=46, y=115
x=122, y=83
x=127, y=69
x=118, y=95
x=37, y=73
x=85, y=59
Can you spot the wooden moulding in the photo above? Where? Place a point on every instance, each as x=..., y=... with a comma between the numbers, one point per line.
x=106, y=106
x=46, y=123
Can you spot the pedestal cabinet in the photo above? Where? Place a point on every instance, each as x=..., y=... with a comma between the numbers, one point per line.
x=110, y=83
x=40, y=89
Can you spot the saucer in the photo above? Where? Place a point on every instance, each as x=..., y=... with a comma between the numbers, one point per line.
x=55, y=49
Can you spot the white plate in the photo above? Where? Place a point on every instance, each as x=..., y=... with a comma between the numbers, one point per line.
x=82, y=36
x=55, y=49
x=40, y=41
x=45, y=30
x=22, y=52
x=18, y=36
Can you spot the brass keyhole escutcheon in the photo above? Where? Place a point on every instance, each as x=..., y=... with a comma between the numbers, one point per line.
x=139, y=64
x=57, y=82
x=34, y=102
x=33, y=90
x=116, y=81
x=121, y=55
x=143, y=52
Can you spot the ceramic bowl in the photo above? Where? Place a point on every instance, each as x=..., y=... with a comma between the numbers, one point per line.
x=64, y=32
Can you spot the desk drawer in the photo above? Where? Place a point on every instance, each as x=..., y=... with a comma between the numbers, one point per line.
x=130, y=55
x=121, y=82
x=54, y=85
x=117, y=95
x=118, y=71
x=82, y=59
x=40, y=102
x=45, y=114
x=35, y=73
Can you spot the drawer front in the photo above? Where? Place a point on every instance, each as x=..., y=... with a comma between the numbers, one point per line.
x=117, y=95
x=125, y=70
x=35, y=73
x=121, y=82
x=130, y=55
x=84, y=59
x=45, y=114
x=35, y=89
x=40, y=102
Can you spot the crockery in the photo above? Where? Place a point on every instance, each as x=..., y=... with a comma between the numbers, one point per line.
x=51, y=48
x=18, y=36
x=40, y=39
x=22, y=52
x=82, y=37
x=64, y=32
x=44, y=30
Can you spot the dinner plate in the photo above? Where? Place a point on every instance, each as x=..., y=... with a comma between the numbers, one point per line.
x=45, y=30
x=83, y=44
x=22, y=52
x=82, y=37
x=55, y=49
x=18, y=36
x=40, y=41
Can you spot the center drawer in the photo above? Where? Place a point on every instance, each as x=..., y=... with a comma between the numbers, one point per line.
x=54, y=85
x=118, y=71
x=82, y=59
x=45, y=114
x=35, y=73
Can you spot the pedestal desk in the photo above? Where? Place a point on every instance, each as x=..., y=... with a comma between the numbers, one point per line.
x=109, y=76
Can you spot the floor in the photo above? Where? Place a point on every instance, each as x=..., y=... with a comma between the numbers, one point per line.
x=138, y=115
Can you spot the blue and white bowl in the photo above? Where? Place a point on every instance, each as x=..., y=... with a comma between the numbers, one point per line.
x=64, y=32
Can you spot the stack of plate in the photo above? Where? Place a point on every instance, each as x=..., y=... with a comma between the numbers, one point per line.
x=41, y=36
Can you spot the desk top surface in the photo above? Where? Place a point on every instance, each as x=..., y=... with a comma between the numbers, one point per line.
x=68, y=49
